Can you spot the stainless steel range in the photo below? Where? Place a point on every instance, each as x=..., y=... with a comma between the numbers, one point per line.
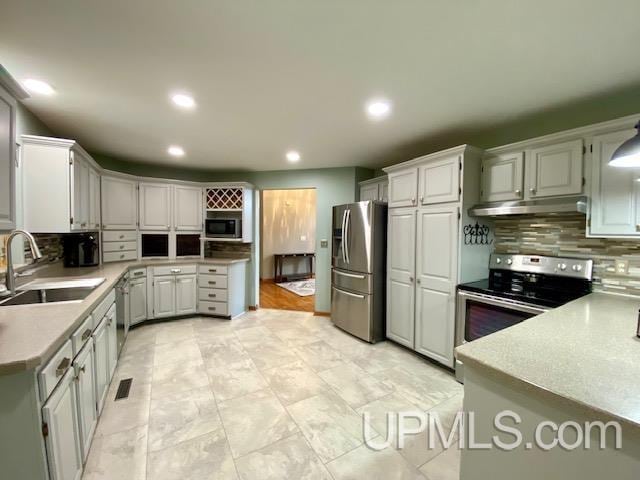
x=519, y=287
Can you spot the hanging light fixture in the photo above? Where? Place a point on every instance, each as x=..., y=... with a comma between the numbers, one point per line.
x=628, y=154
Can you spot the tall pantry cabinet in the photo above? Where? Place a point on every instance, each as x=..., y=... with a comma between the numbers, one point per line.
x=426, y=256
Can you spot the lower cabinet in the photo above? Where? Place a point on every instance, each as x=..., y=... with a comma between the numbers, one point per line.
x=186, y=294
x=112, y=342
x=175, y=294
x=164, y=296
x=101, y=362
x=86, y=396
x=60, y=414
x=137, y=300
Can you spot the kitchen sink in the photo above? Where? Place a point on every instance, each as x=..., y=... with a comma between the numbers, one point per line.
x=53, y=291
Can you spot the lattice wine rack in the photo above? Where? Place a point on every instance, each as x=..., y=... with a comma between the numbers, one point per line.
x=224, y=198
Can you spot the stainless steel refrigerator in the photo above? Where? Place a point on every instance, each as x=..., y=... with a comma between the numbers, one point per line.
x=359, y=249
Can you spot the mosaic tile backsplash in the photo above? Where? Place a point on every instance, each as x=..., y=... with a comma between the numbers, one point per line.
x=564, y=235
x=50, y=245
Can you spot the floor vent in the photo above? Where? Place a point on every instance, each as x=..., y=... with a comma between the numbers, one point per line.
x=123, y=388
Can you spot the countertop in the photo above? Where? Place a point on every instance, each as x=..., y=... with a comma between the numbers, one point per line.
x=30, y=334
x=585, y=352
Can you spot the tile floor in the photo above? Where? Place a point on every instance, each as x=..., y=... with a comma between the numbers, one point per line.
x=270, y=395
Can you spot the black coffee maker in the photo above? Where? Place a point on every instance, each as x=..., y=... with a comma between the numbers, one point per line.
x=81, y=249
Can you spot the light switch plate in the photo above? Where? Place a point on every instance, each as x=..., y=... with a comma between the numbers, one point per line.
x=622, y=267
x=324, y=243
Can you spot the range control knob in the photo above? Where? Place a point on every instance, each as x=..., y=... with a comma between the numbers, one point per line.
x=509, y=261
x=577, y=268
x=498, y=260
x=562, y=266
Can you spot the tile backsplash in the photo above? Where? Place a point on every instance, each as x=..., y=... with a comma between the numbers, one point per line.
x=564, y=235
x=235, y=248
x=50, y=245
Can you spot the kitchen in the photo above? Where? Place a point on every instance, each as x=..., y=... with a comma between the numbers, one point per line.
x=483, y=269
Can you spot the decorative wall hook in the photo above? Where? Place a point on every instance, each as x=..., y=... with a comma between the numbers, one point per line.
x=477, y=234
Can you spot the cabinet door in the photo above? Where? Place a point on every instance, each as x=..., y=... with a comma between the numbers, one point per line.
x=436, y=274
x=101, y=363
x=186, y=294
x=188, y=208
x=94, y=199
x=440, y=181
x=138, y=300
x=400, y=276
x=155, y=206
x=555, y=170
x=614, y=207
x=119, y=204
x=60, y=413
x=85, y=396
x=164, y=297
x=369, y=192
x=112, y=342
x=80, y=192
x=503, y=177
x=384, y=192
x=8, y=107
x=403, y=188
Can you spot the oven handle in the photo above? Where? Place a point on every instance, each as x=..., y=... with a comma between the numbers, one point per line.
x=502, y=302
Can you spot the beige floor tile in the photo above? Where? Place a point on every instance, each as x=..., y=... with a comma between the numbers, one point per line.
x=178, y=377
x=291, y=458
x=319, y=356
x=177, y=352
x=122, y=455
x=175, y=331
x=296, y=336
x=294, y=382
x=235, y=379
x=445, y=466
x=221, y=350
x=271, y=354
x=364, y=463
x=354, y=385
x=255, y=421
x=124, y=414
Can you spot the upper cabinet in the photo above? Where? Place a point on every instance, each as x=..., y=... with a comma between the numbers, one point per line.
x=10, y=90
x=232, y=200
x=58, y=186
x=188, y=213
x=440, y=181
x=155, y=206
x=403, y=188
x=374, y=189
x=615, y=192
x=119, y=203
x=94, y=199
x=502, y=177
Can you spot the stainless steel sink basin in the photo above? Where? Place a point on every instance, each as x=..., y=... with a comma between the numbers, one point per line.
x=53, y=291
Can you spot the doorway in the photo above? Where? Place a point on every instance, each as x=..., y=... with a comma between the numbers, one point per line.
x=287, y=250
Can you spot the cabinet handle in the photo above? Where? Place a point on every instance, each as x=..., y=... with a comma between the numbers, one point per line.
x=212, y=282
x=411, y=279
x=137, y=274
x=84, y=224
x=421, y=198
x=413, y=201
x=121, y=236
x=62, y=367
x=175, y=270
x=418, y=281
x=638, y=228
x=121, y=247
x=213, y=270
x=122, y=256
x=518, y=192
x=86, y=334
x=212, y=295
x=532, y=190
x=212, y=308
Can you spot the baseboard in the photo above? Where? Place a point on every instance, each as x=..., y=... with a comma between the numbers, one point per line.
x=322, y=314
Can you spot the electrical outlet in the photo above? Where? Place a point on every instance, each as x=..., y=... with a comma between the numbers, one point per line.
x=303, y=238
x=324, y=243
x=622, y=267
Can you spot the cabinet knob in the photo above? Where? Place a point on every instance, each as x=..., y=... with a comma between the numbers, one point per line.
x=638, y=228
x=121, y=247
x=532, y=190
x=122, y=256
x=413, y=201
x=411, y=279
x=421, y=198
x=121, y=236
x=518, y=192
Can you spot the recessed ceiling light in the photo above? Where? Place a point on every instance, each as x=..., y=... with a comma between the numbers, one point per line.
x=183, y=100
x=38, y=86
x=378, y=109
x=176, y=151
x=293, y=156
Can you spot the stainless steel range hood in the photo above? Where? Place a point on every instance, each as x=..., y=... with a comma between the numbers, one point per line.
x=576, y=204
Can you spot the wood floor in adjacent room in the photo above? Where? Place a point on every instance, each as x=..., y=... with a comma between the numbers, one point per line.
x=272, y=296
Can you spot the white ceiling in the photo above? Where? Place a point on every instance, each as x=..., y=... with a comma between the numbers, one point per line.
x=274, y=75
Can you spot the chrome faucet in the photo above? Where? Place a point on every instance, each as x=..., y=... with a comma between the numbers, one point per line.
x=10, y=279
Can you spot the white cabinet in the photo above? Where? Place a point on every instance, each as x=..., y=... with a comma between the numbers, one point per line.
x=138, y=300
x=233, y=199
x=8, y=106
x=403, y=188
x=112, y=342
x=187, y=208
x=401, y=249
x=155, y=206
x=374, y=189
x=384, y=191
x=101, y=362
x=60, y=414
x=369, y=192
x=94, y=199
x=186, y=294
x=436, y=274
x=119, y=203
x=85, y=396
x=164, y=296
x=555, y=170
x=502, y=177
x=440, y=181
x=615, y=192
x=80, y=198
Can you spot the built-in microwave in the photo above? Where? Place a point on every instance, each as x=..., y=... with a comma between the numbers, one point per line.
x=223, y=227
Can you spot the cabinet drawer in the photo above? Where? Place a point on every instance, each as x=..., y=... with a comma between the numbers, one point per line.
x=212, y=294
x=174, y=270
x=213, y=269
x=119, y=236
x=54, y=370
x=119, y=256
x=118, y=246
x=102, y=309
x=138, y=273
x=212, y=281
x=212, y=308
x=82, y=334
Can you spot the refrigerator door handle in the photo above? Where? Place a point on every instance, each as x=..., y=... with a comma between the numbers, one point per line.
x=344, y=217
x=350, y=275
x=349, y=293
x=346, y=235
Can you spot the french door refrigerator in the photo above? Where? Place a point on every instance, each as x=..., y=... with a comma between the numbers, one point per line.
x=358, y=261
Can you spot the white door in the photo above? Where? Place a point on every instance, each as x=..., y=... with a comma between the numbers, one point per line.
x=369, y=192
x=155, y=206
x=384, y=191
x=86, y=396
x=119, y=203
x=138, y=300
x=503, y=177
x=101, y=362
x=186, y=294
x=436, y=277
x=188, y=208
x=403, y=188
x=60, y=413
x=555, y=170
x=80, y=192
x=94, y=199
x=614, y=209
x=401, y=244
x=164, y=296
x=440, y=181
x=112, y=344
x=8, y=107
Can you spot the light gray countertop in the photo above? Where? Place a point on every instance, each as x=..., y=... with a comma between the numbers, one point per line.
x=585, y=352
x=30, y=334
